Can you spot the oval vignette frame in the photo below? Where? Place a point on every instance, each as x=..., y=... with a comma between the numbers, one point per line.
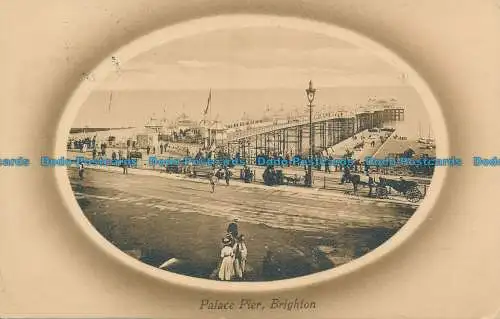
x=207, y=24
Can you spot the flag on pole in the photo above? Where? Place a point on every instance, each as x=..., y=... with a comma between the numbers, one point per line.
x=110, y=100
x=208, y=102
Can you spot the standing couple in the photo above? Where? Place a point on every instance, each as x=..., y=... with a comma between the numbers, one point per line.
x=233, y=254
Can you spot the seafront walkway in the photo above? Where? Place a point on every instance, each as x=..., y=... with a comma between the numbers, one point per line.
x=322, y=182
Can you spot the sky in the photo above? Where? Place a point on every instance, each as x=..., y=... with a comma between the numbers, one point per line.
x=249, y=58
x=246, y=69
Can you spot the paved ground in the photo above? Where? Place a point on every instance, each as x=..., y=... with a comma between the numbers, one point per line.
x=156, y=219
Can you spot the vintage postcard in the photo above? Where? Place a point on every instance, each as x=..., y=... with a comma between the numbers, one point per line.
x=248, y=163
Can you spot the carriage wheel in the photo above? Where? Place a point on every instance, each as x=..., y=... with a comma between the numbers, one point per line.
x=381, y=192
x=413, y=195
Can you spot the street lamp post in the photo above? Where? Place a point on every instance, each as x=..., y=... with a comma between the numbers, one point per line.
x=311, y=92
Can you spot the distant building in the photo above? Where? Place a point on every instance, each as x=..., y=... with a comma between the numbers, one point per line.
x=394, y=113
x=146, y=139
x=246, y=123
x=184, y=123
x=215, y=134
x=392, y=110
x=378, y=112
x=154, y=125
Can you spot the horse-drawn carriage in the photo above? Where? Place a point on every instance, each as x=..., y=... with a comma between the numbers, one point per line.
x=408, y=188
x=272, y=176
x=383, y=187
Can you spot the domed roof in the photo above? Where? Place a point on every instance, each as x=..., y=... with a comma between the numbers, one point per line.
x=245, y=117
x=217, y=126
x=280, y=113
x=183, y=119
x=154, y=122
x=267, y=114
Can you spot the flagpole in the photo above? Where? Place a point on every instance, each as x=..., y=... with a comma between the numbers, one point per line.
x=205, y=116
x=110, y=100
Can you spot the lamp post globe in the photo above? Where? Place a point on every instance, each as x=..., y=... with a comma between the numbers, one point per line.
x=311, y=92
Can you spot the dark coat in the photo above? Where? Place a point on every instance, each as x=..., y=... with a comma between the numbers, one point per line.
x=233, y=229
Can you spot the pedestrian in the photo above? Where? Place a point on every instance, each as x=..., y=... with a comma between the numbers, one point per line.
x=247, y=174
x=125, y=166
x=148, y=149
x=226, y=270
x=232, y=228
x=211, y=177
x=346, y=175
x=240, y=256
x=327, y=166
x=80, y=170
x=103, y=149
x=371, y=184
x=227, y=175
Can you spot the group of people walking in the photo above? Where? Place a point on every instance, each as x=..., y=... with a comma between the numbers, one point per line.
x=216, y=174
x=81, y=144
x=233, y=254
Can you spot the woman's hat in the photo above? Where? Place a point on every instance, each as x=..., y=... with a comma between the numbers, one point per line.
x=226, y=240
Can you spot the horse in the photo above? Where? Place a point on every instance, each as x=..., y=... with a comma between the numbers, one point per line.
x=355, y=179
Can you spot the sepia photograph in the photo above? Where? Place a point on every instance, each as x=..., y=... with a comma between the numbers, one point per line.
x=251, y=154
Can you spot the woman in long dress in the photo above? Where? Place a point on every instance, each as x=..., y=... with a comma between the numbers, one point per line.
x=226, y=270
x=212, y=178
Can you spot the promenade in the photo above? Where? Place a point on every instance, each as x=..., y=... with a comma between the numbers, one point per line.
x=156, y=217
x=328, y=183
